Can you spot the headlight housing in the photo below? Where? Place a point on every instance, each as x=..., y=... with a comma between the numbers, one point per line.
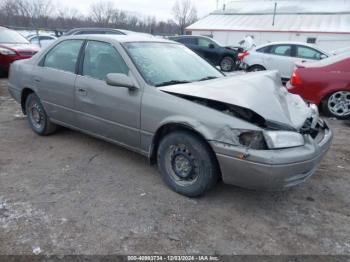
x=283, y=139
x=253, y=140
x=5, y=51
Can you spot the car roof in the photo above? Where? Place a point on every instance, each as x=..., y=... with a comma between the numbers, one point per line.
x=189, y=36
x=92, y=28
x=288, y=43
x=292, y=43
x=119, y=38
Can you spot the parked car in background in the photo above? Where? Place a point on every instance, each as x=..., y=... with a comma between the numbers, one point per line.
x=13, y=46
x=41, y=40
x=103, y=31
x=224, y=56
x=325, y=83
x=280, y=56
x=160, y=99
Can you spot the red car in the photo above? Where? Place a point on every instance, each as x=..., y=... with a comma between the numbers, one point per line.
x=13, y=46
x=325, y=83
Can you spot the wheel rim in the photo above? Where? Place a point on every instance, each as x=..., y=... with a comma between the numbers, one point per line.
x=339, y=103
x=36, y=115
x=226, y=64
x=181, y=165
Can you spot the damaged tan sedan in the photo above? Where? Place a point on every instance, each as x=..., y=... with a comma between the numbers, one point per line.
x=159, y=99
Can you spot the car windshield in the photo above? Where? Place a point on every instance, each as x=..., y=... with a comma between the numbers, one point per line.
x=166, y=63
x=12, y=37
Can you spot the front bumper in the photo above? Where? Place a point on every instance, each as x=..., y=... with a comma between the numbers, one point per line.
x=272, y=169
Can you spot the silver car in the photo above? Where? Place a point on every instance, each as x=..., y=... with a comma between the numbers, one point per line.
x=158, y=98
x=281, y=56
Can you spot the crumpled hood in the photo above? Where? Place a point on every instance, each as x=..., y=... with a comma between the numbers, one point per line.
x=261, y=92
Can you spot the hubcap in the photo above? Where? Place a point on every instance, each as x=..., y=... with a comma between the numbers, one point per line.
x=226, y=64
x=182, y=165
x=36, y=115
x=339, y=103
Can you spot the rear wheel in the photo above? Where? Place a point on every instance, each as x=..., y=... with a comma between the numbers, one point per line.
x=37, y=117
x=256, y=68
x=227, y=64
x=2, y=73
x=337, y=105
x=187, y=163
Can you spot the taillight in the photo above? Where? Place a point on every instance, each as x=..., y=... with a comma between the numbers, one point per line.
x=296, y=79
x=241, y=56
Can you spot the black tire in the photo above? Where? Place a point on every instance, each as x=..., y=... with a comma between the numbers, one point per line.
x=327, y=103
x=3, y=74
x=227, y=64
x=256, y=68
x=37, y=117
x=197, y=173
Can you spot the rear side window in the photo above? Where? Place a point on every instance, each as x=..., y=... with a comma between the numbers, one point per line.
x=264, y=49
x=281, y=50
x=64, y=56
x=101, y=59
x=308, y=53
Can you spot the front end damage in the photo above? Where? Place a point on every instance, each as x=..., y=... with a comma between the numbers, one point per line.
x=288, y=144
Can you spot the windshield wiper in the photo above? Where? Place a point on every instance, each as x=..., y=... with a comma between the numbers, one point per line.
x=173, y=82
x=208, y=78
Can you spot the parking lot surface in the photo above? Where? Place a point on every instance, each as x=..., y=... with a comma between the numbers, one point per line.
x=72, y=194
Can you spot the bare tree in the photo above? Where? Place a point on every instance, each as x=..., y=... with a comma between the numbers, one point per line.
x=185, y=14
x=102, y=12
x=49, y=14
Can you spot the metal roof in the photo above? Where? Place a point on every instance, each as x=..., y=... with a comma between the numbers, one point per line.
x=291, y=16
x=287, y=6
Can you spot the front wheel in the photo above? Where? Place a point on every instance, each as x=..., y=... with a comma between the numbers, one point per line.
x=187, y=164
x=337, y=105
x=256, y=68
x=37, y=117
x=227, y=64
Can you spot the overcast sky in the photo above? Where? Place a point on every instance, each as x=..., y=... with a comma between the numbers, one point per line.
x=161, y=9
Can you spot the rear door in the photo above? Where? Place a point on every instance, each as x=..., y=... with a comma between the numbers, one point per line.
x=109, y=111
x=280, y=58
x=55, y=77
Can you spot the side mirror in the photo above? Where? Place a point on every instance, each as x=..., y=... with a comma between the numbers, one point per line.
x=211, y=46
x=121, y=80
x=323, y=56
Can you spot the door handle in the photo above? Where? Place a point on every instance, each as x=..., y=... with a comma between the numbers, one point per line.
x=82, y=91
x=37, y=79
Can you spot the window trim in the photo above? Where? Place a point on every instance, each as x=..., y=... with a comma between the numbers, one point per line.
x=42, y=59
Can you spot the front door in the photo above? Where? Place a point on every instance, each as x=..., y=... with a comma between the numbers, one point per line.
x=280, y=58
x=108, y=111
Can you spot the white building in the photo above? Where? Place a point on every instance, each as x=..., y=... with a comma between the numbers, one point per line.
x=323, y=22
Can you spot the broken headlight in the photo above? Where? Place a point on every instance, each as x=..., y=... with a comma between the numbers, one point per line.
x=253, y=140
x=283, y=139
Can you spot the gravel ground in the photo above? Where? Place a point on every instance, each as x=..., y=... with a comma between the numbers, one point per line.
x=72, y=194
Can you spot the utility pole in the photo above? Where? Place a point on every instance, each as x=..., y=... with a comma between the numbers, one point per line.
x=217, y=4
x=274, y=14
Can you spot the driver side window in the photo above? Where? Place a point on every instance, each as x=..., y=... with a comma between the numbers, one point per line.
x=203, y=42
x=101, y=59
x=308, y=53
